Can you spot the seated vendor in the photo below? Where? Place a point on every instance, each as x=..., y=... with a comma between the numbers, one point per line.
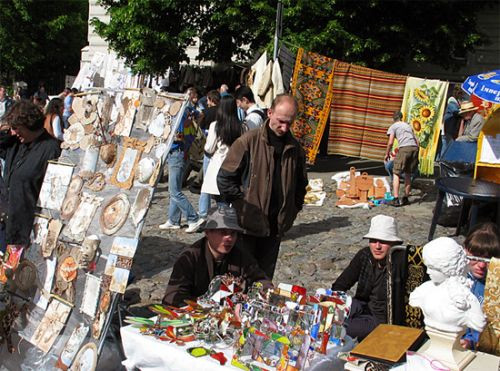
x=483, y=241
x=368, y=269
x=215, y=254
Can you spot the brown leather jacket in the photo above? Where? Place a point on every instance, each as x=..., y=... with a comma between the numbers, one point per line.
x=245, y=180
x=195, y=268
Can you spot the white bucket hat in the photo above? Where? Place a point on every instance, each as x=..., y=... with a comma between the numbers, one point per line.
x=383, y=228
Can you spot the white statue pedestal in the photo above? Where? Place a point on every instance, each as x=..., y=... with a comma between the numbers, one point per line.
x=445, y=347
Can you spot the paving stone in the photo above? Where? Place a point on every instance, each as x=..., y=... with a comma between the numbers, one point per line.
x=313, y=253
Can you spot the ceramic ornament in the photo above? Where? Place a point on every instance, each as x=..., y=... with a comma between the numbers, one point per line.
x=43, y=294
x=51, y=325
x=157, y=125
x=108, y=153
x=66, y=274
x=145, y=169
x=89, y=162
x=78, y=108
x=156, y=174
x=141, y=205
x=81, y=219
x=86, y=359
x=90, y=295
x=88, y=251
x=72, y=136
x=96, y=182
x=54, y=186
x=114, y=214
x=69, y=206
x=124, y=170
x=25, y=276
x=40, y=229
x=74, y=343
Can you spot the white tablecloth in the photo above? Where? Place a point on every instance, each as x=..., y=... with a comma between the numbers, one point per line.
x=148, y=354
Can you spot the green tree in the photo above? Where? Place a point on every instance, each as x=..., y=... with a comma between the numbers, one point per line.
x=41, y=40
x=153, y=34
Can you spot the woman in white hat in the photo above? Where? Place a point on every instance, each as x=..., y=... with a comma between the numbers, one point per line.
x=368, y=269
x=472, y=123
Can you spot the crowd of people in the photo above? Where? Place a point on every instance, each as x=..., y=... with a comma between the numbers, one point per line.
x=253, y=185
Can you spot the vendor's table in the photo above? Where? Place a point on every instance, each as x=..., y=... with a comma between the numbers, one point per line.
x=147, y=354
x=476, y=191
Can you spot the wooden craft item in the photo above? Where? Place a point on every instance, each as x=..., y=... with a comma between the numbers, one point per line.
x=89, y=119
x=55, y=182
x=66, y=273
x=353, y=190
x=69, y=206
x=124, y=170
x=364, y=182
x=167, y=128
x=96, y=182
x=86, y=359
x=379, y=189
x=81, y=219
x=127, y=114
x=340, y=193
x=140, y=206
x=159, y=103
x=346, y=201
x=104, y=303
x=157, y=125
x=175, y=108
x=43, y=294
x=156, y=173
x=147, y=100
x=51, y=325
x=25, y=276
x=114, y=214
x=72, y=345
x=50, y=241
x=108, y=153
x=76, y=185
x=389, y=343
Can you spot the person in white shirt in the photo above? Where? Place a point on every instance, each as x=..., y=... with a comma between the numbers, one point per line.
x=255, y=116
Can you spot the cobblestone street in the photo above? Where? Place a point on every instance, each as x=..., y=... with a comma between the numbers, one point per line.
x=313, y=253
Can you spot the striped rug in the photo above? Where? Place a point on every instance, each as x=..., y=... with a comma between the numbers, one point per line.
x=312, y=87
x=364, y=101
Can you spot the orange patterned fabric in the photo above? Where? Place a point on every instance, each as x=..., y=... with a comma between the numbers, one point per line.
x=312, y=87
x=364, y=101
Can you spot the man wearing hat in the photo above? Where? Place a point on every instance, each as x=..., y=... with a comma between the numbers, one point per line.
x=472, y=123
x=213, y=255
x=369, y=269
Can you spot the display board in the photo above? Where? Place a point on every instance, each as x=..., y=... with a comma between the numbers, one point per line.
x=93, y=202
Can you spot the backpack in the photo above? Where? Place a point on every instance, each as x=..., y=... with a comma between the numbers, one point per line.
x=262, y=112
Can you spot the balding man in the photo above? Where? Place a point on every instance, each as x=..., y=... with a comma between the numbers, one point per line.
x=264, y=177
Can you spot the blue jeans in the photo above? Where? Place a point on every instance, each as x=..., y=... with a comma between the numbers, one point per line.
x=179, y=204
x=204, y=201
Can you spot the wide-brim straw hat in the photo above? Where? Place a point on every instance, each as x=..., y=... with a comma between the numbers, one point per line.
x=467, y=107
x=383, y=228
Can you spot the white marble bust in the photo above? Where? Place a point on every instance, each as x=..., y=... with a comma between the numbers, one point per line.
x=446, y=300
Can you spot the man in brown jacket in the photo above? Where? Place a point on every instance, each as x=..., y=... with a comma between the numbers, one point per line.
x=264, y=177
x=213, y=255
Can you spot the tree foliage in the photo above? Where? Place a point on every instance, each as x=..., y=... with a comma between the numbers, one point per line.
x=152, y=34
x=41, y=40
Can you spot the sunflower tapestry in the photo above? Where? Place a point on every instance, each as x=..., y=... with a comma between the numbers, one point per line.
x=364, y=101
x=423, y=105
x=312, y=87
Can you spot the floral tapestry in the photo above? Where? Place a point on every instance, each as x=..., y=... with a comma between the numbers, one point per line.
x=423, y=105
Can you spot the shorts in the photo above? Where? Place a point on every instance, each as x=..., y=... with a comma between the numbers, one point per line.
x=406, y=160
